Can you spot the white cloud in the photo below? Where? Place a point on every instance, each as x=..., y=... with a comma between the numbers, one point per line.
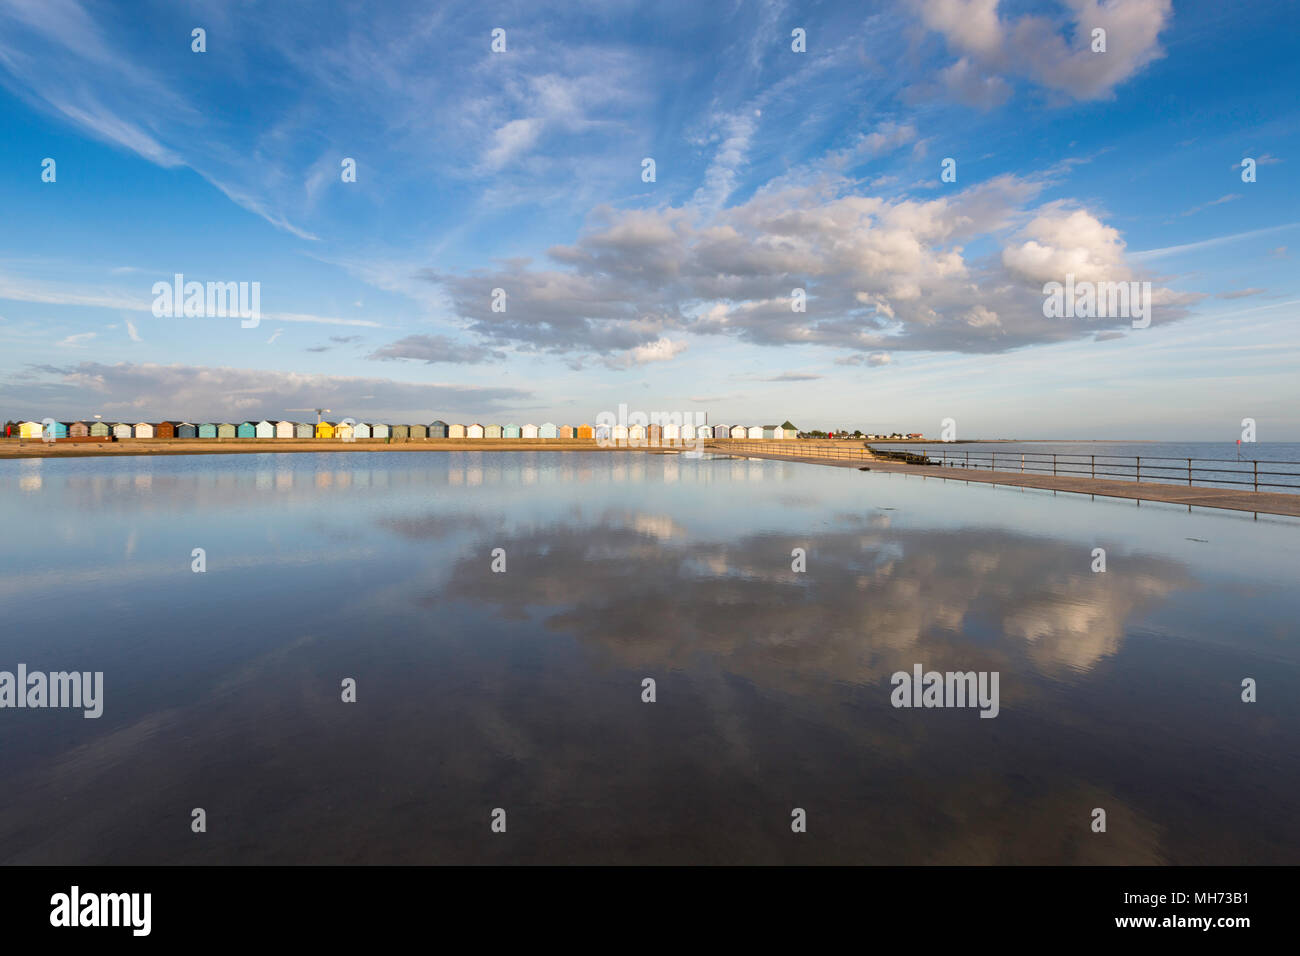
x=1036, y=47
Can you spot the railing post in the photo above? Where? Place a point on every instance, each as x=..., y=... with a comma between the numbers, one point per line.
x=1139, y=469
x=1189, y=473
x=1257, y=474
x=1094, y=466
x=1053, y=464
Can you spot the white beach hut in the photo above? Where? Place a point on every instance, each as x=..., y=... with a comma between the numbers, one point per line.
x=122, y=430
x=379, y=430
x=264, y=429
x=548, y=430
x=738, y=431
x=284, y=429
x=360, y=430
x=672, y=432
x=756, y=431
x=529, y=431
x=474, y=431
x=620, y=435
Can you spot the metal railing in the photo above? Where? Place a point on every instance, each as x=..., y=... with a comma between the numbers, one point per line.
x=1255, y=474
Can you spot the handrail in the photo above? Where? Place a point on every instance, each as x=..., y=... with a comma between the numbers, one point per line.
x=1137, y=468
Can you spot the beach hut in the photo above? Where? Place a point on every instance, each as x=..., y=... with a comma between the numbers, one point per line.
x=602, y=433
x=99, y=430
x=60, y=430
x=419, y=431
x=360, y=430
x=246, y=430
x=530, y=431
x=208, y=430
x=264, y=429
x=143, y=430
x=30, y=429
x=491, y=431
x=768, y=431
x=548, y=430
x=509, y=431
x=619, y=434
x=78, y=430
x=304, y=430
x=779, y=433
x=324, y=429
x=739, y=431
x=379, y=430
x=438, y=429
x=755, y=431
x=284, y=429
x=654, y=434
x=187, y=430
x=672, y=432
x=401, y=431
x=344, y=431
x=721, y=431
x=585, y=431
x=227, y=430
x=474, y=431
x=636, y=433
x=122, y=430
x=165, y=430
x=455, y=431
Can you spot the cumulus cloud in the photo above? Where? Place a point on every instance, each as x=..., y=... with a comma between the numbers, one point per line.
x=880, y=274
x=1064, y=241
x=1055, y=54
x=660, y=350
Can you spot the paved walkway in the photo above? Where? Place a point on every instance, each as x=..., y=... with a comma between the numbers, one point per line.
x=1196, y=496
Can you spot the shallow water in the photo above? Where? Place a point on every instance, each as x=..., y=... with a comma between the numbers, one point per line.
x=522, y=690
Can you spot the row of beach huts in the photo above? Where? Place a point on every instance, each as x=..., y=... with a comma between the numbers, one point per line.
x=360, y=430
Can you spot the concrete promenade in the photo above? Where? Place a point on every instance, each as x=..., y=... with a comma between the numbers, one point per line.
x=1195, y=496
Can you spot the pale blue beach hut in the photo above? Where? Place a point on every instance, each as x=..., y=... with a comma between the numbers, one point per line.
x=548, y=430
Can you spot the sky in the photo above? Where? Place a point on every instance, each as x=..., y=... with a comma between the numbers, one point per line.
x=526, y=169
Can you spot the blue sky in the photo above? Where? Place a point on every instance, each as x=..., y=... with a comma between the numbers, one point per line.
x=775, y=170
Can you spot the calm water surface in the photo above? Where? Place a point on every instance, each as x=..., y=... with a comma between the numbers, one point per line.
x=522, y=690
